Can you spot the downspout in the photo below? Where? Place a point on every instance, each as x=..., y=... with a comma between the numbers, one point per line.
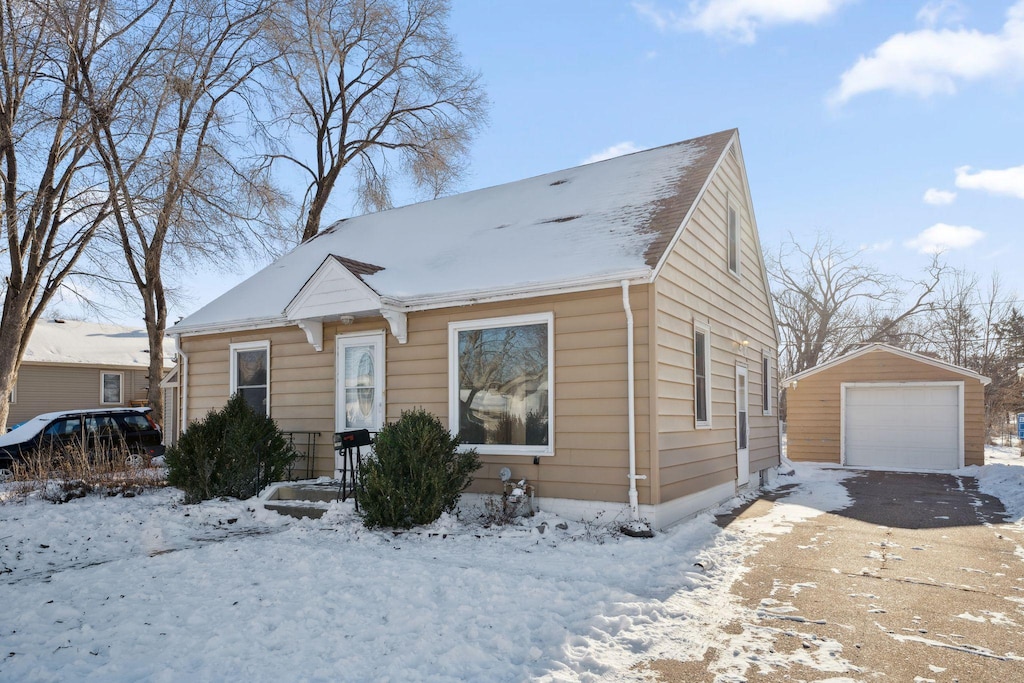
x=184, y=384
x=635, y=527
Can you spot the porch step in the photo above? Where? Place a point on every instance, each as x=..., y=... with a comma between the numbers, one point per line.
x=324, y=493
x=298, y=509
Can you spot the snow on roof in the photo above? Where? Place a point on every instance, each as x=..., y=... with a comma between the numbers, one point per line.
x=74, y=341
x=604, y=220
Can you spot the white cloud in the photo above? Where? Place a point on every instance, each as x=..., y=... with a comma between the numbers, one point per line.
x=942, y=12
x=739, y=20
x=877, y=246
x=938, y=197
x=616, y=150
x=941, y=237
x=1006, y=181
x=930, y=61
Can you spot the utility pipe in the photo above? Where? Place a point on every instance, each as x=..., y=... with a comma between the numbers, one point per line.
x=634, y=505
x=183, y=384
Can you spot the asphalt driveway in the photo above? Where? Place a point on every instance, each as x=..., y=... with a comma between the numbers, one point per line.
x=919, y=580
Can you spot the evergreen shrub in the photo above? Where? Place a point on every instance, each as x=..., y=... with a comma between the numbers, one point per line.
x=416, y=473
x=232, y=452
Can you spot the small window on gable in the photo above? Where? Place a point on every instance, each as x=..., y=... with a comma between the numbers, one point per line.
x=501, y=375
x=111, y=385
x=766, y=383
x=701, y=375
x=250, y=374
x=13, y=397
x=734, y=241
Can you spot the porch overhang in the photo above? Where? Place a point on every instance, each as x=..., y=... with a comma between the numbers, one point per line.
x=337, y=292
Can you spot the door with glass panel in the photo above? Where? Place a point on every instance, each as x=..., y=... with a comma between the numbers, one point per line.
x=742, y=426
x=360, y=384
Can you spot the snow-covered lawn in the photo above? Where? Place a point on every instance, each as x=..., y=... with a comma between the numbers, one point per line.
x=145, y=588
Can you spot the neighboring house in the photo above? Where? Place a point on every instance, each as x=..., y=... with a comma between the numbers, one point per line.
x=575, y=327
x=883, y=407
x=70, y=364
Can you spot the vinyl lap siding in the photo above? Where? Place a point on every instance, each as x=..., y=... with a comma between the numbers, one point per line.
x=590, y=410
x=696, y=284
x=813, y=408
x=50, y=387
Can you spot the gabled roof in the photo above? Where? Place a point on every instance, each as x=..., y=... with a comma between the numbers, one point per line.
x=597, y=223
x=74, y=341
x=889, y=349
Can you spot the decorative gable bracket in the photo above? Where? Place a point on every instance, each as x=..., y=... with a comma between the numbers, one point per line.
x=398, y=322
x=314, y=330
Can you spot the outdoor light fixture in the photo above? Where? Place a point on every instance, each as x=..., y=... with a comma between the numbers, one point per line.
x=346, y=320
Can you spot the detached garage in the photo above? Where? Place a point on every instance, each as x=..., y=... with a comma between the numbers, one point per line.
x=883, y=407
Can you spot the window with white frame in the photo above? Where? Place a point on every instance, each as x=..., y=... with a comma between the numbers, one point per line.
x=111, y=388
x=13, y=396
x=250, y=374
x=734, y=240
x=701, y=374
x=500, y=381
x=766, y=383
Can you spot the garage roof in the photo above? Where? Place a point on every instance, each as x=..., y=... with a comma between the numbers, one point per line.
x=889, y=349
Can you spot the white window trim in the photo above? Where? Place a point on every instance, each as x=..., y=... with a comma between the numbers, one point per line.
x=730, y=209
x=701, y=326
x=120, y=387
x=453, y=379
x=340, y=342
x=766, y=382
x=248, y=346
x=13, y=398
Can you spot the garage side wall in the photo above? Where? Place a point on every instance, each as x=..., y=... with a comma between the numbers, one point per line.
x=814, y=412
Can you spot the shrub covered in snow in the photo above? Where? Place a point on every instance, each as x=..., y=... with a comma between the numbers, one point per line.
x=415, y=473
x=231, y=452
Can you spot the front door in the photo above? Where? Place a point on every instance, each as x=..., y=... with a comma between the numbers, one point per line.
x=360, y=384
x=742, y=427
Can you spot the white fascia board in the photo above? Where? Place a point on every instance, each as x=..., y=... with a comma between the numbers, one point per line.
x=447, y=300
x=470, y=297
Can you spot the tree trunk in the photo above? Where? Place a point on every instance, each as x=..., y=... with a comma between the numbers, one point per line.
x=12, y=332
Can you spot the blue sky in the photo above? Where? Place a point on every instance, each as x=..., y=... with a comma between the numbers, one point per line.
x=849, y=111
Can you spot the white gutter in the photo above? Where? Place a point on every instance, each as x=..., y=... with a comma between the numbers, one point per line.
x=634, y=504
x=183, y=384
x=432, y=302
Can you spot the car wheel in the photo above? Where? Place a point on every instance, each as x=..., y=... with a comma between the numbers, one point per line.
x=135, y=460
x=6, y=475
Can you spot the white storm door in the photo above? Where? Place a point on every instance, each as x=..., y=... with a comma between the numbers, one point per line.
x=742, y=426
x=359, y=403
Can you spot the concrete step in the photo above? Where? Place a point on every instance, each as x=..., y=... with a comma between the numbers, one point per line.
x=298, y=509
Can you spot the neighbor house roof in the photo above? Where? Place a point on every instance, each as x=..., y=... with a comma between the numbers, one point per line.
x=597, y=223
x=77, y=342
x=888, y=349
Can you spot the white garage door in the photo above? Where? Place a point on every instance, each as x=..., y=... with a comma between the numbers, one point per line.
x=907, y=426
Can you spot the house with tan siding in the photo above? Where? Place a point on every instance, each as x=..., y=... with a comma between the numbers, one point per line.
x=71, y=365
x=604, y=332
x=887, y=408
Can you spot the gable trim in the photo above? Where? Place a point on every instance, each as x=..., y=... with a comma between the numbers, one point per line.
x=693, y=207
x=909, y=355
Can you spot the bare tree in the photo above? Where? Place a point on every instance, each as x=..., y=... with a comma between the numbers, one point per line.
x=378, y=85
x=52, y=198
x=168, y=135
x=955, y=329
x=828, y=300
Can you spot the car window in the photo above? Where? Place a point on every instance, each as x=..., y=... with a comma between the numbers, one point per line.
x=135, y=422
x=64, y=427
x=102, y=425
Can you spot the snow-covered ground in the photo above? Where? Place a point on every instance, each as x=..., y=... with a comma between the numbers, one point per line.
x=145, y=588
